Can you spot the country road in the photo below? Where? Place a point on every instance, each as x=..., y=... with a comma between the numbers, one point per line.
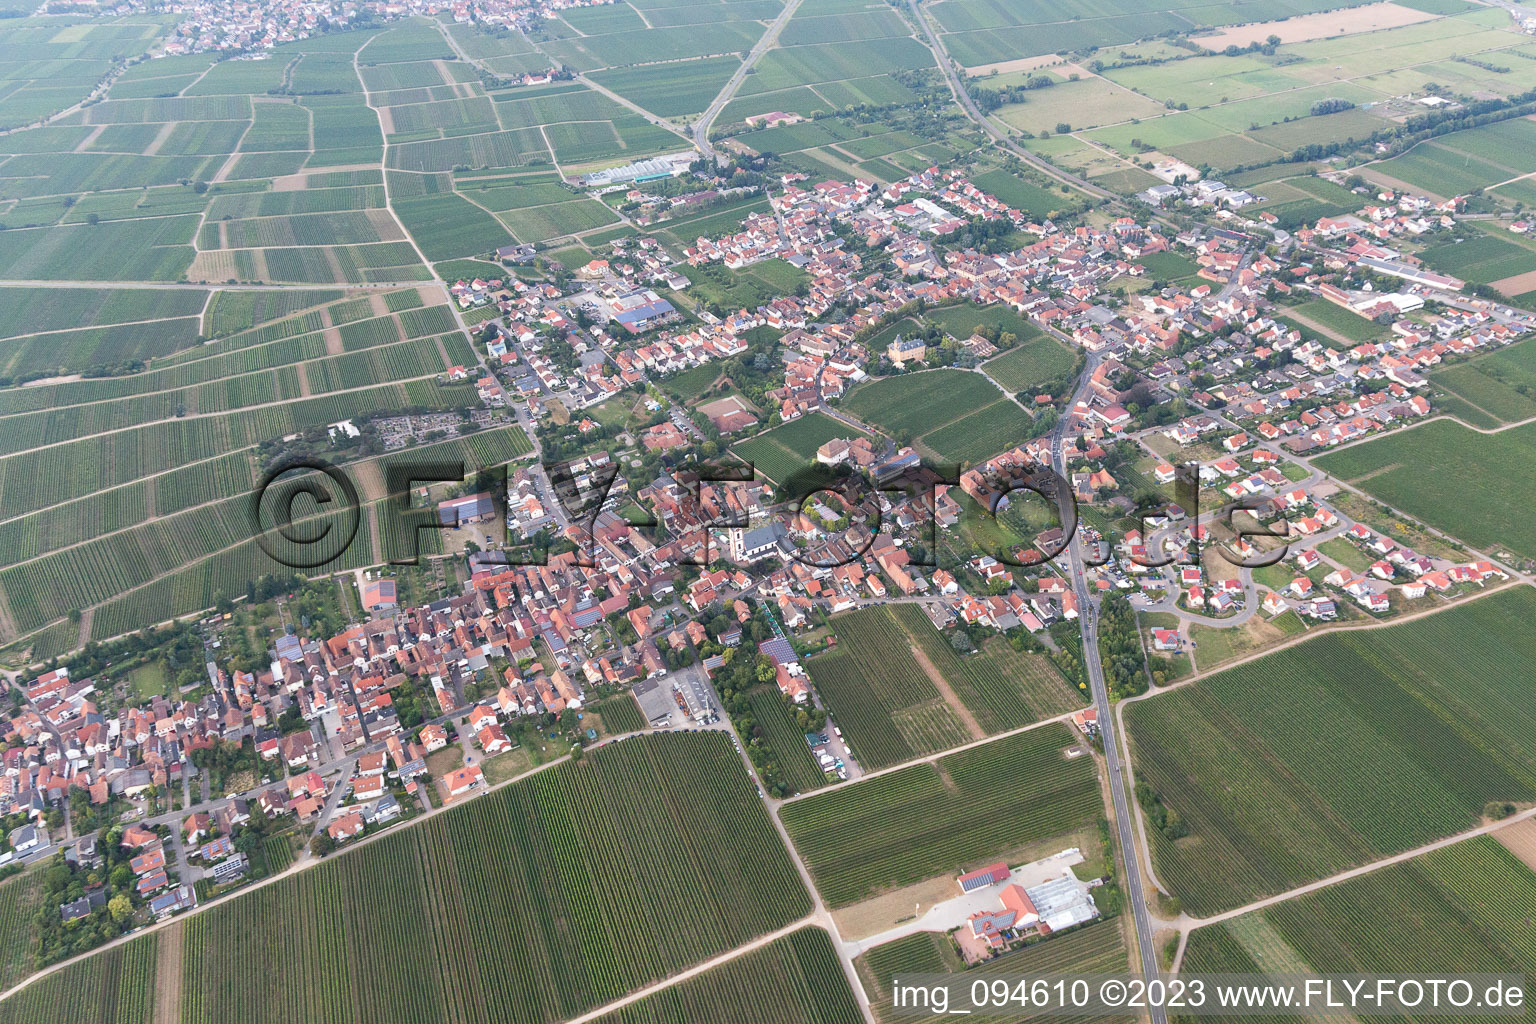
x=969, y=106
x=1125, y=823
x=769, y=37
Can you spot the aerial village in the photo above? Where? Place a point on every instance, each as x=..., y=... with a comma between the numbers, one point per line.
x=669, y=582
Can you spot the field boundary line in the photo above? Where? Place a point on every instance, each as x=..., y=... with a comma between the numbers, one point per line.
x=931, y=758
x=1193, y=923
x=303, y=862
x=1320, y=631
x=808, y=921
x=208, y=415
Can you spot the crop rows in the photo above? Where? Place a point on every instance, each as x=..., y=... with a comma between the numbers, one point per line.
x=90, y=347
x=787, y=739
x=341, y=228
x=1003, y=688
x=33, y=479
x=921, y=402
x=1096, y=949
x=100, y=512
x=19, y=899
x=604, y=875
x=620, y=714
x=115, y=986
x=1365, y=744
x=34, y=310
x=793, y=980
x=927, y=820
x=134, y=557
x=385, y=363
x=872, y=676
x=1464, y=908
x=93, y=572
x=199, y=586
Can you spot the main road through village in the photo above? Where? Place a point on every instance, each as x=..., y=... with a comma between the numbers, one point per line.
x=1125, y=824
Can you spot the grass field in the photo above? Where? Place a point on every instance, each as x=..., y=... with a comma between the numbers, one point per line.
x=1365, y=743
x=1462, y=909
x=605, y=847
x=878, y=692
x=929, y=820
x=1472, y=486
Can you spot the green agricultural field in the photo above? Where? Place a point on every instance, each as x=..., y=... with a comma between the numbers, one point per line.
x=1096, y=949
x=1473, y=486
x=1481, y=260
x=960, y=321
x=1463, y=162
x=19, y=897
x=914, y=402
x=812, y=64
x=1002, y=687
x=1087, y=103
x=942, y=818
x=1033, y=199
x=1498, y=383
x=671, y=90
x=540, y=223
x=619, y=714
x=1364, y=744
x=793, y=980
x=1026, y=366
x=784, y=737
x=448, y=225
x=880, y=694
x=719, y=220
x=117, y=984
x=1462, y=909
x=1343, y=322
x=791, y=447
x=958, y=416
x=748, y=288
x=611, y=847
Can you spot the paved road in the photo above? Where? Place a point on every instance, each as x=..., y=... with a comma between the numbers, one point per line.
x=1125, y=823
x=769, y=38
x=969, y=106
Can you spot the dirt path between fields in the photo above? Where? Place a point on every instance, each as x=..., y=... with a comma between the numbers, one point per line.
x=168, y=976
x=153, y=149
x=950, y=697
